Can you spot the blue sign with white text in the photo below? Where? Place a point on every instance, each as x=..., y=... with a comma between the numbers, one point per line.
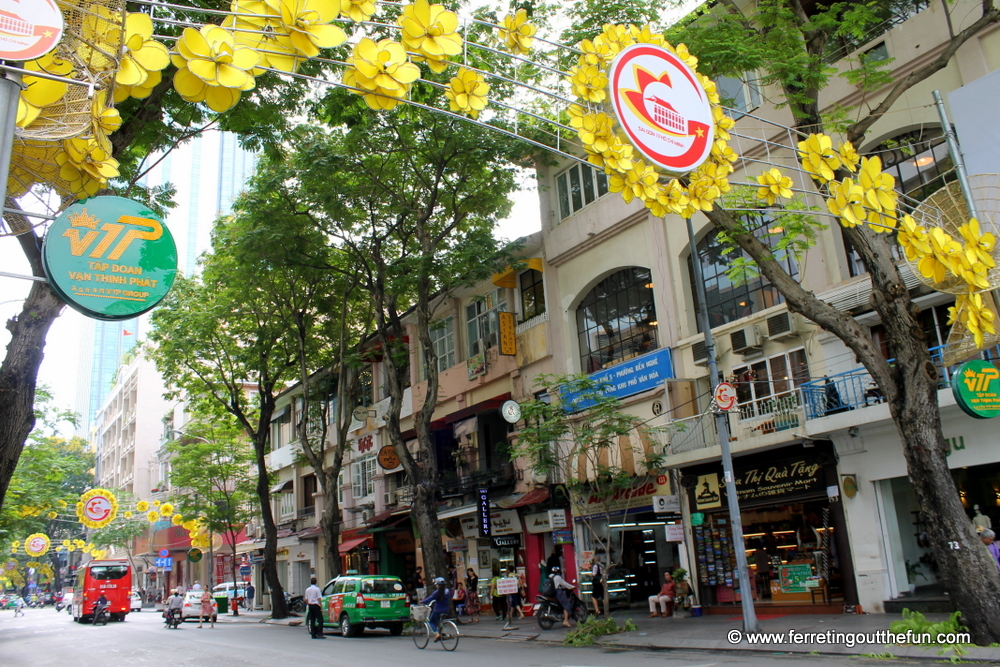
x=634, y=375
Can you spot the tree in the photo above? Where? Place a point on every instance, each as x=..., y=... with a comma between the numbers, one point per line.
x=581, y=438
x=411, y=200
x=213, y=467
x=792, y=44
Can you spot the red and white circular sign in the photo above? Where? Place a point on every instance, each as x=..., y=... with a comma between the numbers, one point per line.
x=36, y=544
x=98, y=508
x=725, y=396
x=29, y=29
x=662, y=107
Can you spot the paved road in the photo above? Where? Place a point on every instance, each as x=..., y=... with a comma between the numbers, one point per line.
x=44, y=637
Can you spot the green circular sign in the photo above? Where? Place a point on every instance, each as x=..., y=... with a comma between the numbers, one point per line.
x=194, y=555
x=976, y=386
x=697, y=518
x=110, y=258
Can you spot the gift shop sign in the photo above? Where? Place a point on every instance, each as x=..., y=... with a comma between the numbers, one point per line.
x=662, y=107
x=781, y=478
x=636, y=498
x=29, y=30
x=110, y=258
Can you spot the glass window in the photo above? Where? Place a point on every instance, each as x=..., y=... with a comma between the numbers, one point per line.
x=578, y=186
x=532, y=294
x=442, y=335
x=762, y=385
x=728, y=302
x=741, y=95
x=286, y=504
x=364, y=477
x=108, y=572
x=481, y=320
x=617, y=320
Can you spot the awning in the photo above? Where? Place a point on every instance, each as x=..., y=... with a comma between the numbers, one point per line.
x=310, y=533
x=281, y=413
x=389, y=525
x=283, y=486
x=351, y=544
x=508, y=277
x=457, y=511
x=520, y=500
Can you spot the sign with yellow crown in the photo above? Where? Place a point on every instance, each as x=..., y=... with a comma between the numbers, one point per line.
x=110, y=258
x=976, y=386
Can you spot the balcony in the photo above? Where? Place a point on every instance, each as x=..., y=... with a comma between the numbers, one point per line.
x=453, y=483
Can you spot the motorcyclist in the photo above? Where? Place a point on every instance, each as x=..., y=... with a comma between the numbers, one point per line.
x=175, y=603
x=102, y=602
x=564, y=593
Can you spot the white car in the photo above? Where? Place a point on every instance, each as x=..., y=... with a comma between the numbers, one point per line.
x=136, y=601
x=192, y=606
x=68, y=601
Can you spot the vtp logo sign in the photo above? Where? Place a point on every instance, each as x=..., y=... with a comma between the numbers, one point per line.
x=976, y=387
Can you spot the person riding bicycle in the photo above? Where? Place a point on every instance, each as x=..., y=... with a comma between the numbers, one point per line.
x=441, y=597
x=175, y=603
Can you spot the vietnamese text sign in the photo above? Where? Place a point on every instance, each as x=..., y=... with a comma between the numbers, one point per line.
x=793, y=578
x=110, y=258
x=504, y=522
x=674, y=532
x=507, y=586
x=631, y=377
x=778, y=479
x=637, y=498
x=976, y=386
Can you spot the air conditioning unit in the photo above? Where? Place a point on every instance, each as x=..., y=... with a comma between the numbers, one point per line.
x=700, y=352
x=747, y=339
x=783, y=325
x=366, y=515
x=390, y=498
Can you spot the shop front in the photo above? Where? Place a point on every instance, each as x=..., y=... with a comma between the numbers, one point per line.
x=794, y=530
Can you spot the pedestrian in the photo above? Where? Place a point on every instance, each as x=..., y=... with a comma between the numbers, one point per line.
x=418, y=582
x=564, y=593
x=250, y=593
x=989, y=539
x=499, y=601
x=314, y=613
x=514, y=599
x=665, y=598
x=441, y=597
x=197, y=586
x=472, y=605
x=596, y=585
x=18, y=606
x=459, y=598
x=206, y=608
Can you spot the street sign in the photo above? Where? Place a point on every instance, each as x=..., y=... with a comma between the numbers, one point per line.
x=256, y=558
x=667, y=504
x=725, y=396
x=164, y=553
x=165, y=564
x=245, y=570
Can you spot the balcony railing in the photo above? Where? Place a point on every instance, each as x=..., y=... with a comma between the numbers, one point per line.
x=762, y=416
x=454, y=483
x=305, y=512
x=685, y=435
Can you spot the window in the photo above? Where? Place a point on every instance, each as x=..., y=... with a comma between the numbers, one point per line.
x=919, y=161
x=443, y=339
x=309, y=488
x=286, y=505
x=741, y=95
x=578, y=186
x=108, y=572
x=364, y=477
x=617, y=320
x=481, y=320
x=340, y=488
x=761, y=384
x=728, y=302
x=532, y=294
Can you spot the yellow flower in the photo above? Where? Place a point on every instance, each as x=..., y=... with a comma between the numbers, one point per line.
x=61, y=504
x=15, y=545
x=723, y=124
x=941, y=261
x=122, y=93
x=103, y=33
x=467, y=92
x=846, y=201
x=716, y=173
x=357, y=10
x=880, y=194
x=596, y=131
x=682, y=52
x=617, y=37
x=212, y=67
x=978, y=247
x=710, y=89
x=430, y=30
x=670, y=198
x=307, y=23
x=589, y=82
x=976, y=314
x=914, y=239
x=105, y=119
x=645, y=35
x=517, y=33
x=849, y=157
x=143, y=54
x=53, y=514
x=596, y=52
x=79, y=543
x=818, y=157
x=382, y=71
x=639, y=181
x=166, y=509
x=156, y=503
x=152, y=516
x=177, y=520
x=773, y=186
x=142, y=505
x=39, y=93
x=702, y=191
x=128, y=515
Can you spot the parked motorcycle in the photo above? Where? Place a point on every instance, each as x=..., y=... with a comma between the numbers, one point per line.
x=296, y=603
x=549, y=611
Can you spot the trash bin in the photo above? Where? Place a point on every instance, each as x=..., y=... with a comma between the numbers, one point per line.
x=223, y=603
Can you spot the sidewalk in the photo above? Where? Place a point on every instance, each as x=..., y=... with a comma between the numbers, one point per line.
x=711, y=633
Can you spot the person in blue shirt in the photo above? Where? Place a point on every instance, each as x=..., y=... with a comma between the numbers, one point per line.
x=441, y=597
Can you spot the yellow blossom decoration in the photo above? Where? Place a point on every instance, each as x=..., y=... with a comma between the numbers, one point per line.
x=143, y=55
x=589, y=82
x=308, y=24
x=152, y=516
x=38, y=92
x=358, y=10
x=382, y=70
x=212, y=67
x=177, y=520
x=818, y=157
x=142, y=505
x=978, y=317
x=517, y=34
x=85, y=501
x=639, y=181
x=849, y=157
x=128, y=515
x=846, y=201
x=166, y=509
x=36, y=544
x=773, y=186
x=430, y=30
x=467, y=92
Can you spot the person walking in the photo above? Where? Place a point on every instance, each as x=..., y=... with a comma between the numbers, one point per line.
x=250, y=593
x=665, y=598
x=514, y=610
x=418, y=582
x=314, y=613
x=206, y=608
x=499, y=601
x=988, y=538
x=19, y=606
x=596, y=585
x=472, y=604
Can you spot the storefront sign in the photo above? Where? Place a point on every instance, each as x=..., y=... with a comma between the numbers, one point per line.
x=194, y=555
x=507, y=541
x=508, y=586
x=508, y=339
x=476, y=365
x=544, y=522
x=667, y=504
x=562, y=537
x=388, y=459
x=635, y=375
x=504, y=522
x=674, y=532
x=976, y=386
x=470, y=526
x=637, y=498
x=707, y=493
x=794, y=578
x=697, y=518
x=781, y=478
x=458, y=545
x=110, y=258
x=484, y=513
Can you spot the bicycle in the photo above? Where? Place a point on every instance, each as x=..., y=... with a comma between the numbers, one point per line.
x=422, y=629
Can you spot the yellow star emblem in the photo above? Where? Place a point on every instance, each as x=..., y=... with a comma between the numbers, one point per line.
x=700, y=132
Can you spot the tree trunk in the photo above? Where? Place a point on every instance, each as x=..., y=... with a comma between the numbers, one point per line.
x=424, y=514
x=330, y=523
x=279, y=609
x=232, y=569
x=19, y=374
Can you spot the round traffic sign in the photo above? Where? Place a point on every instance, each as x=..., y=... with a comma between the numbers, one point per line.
x=725, y=396
x=164, y=553
x=245, y=570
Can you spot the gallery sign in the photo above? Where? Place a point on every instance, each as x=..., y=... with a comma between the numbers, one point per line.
x=662, y=107
x=110, y=258
x=976, y=387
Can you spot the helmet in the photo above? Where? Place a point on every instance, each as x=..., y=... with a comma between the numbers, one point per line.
x=555, y=570
x=439, y=581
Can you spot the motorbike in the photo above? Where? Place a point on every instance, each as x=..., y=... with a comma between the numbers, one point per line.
x=549, y=611
x=296, y=603
x=101, y=615
x=60, y=605
x=173, y=617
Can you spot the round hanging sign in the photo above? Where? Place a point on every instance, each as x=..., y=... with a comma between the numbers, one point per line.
x=97, y=508
x=36, y=545
x=388, y=459
x=976, y=387
x=110, y=258
x=662, y=106
x=10, y=565
x=29, y=30
x=194, y=555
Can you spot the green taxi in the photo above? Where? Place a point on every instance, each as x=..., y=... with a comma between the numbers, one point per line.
x=354, y=602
